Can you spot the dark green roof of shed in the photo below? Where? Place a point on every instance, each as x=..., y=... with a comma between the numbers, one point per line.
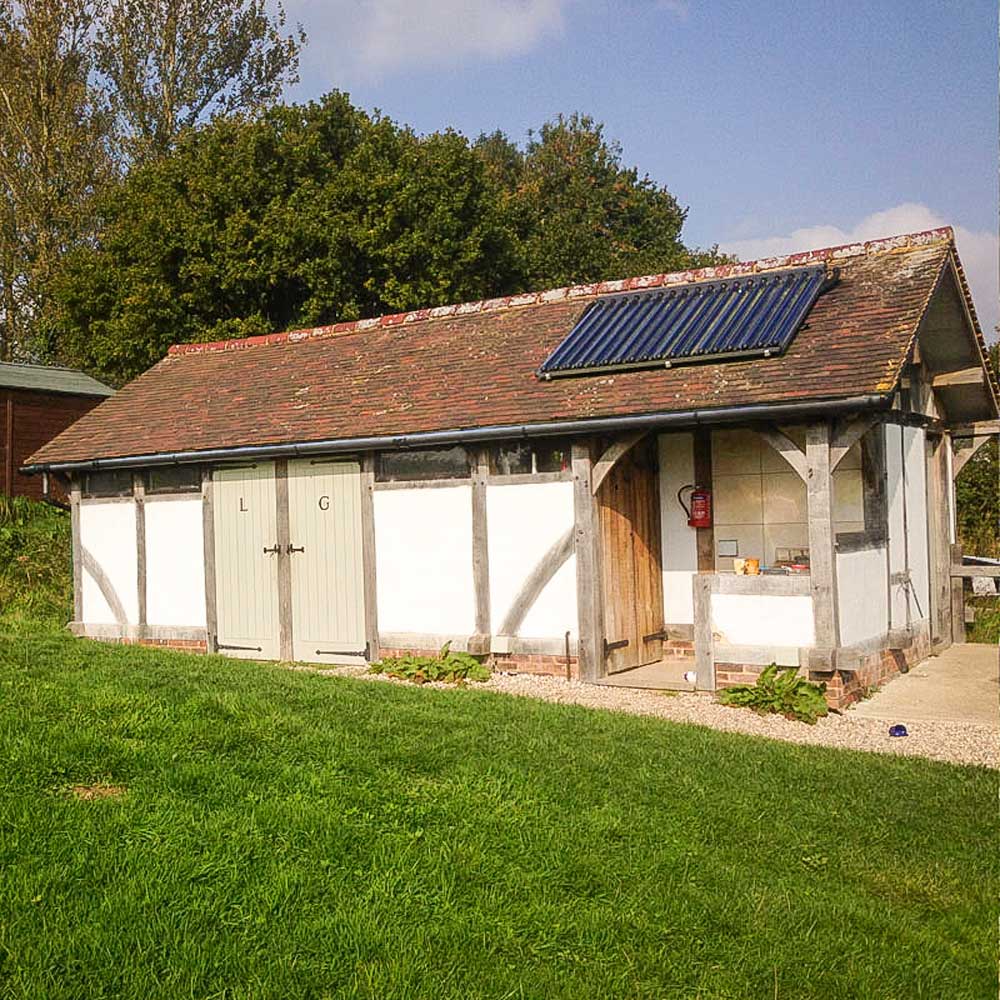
x=41, y=378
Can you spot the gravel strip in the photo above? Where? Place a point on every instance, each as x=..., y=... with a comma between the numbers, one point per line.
x=955, y=743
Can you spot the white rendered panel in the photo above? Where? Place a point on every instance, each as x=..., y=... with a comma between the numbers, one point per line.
x=175, y=562
x=245, y=514
x=107, y=533
x=915, y=450
x=524, y=521
x=423, y=545
x=679, y=542
x=328, y=607
x=763, y=620
x=863, y=595
x=900, y=602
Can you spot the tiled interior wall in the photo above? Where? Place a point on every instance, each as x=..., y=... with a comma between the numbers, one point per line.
x=760, y=503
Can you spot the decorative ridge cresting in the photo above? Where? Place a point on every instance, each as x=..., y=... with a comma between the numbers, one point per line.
x=889, y=244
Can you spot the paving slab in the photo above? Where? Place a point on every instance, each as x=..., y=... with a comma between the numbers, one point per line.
x=962, y=684
x=663, y=675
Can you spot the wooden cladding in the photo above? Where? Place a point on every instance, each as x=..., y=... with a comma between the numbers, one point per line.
x=29, y=420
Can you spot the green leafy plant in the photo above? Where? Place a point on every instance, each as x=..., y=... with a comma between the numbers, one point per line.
x=783, y=692
x=453, y=668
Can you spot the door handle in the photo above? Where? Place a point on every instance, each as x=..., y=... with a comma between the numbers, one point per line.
x=291, y=548
x=275, y=550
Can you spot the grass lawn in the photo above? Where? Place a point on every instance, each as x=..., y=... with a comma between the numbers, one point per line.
x=287, y=835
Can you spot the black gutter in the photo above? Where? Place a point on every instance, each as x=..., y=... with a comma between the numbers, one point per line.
x=422, y=439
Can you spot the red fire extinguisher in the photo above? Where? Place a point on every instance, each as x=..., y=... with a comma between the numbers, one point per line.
x=700, y=512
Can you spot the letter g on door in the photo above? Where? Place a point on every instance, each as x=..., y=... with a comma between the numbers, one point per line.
x=324, y=503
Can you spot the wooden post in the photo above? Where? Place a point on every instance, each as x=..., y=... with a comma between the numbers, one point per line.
x=480, y=551
x=368, y=556
x=822, y=549
x=589, y=596
x=74, y=502
x=705, y=537
x=704, y=653
x=957, y=598
x=939, y=536
x=139, y=501
x=208, y=547
x=285, y=647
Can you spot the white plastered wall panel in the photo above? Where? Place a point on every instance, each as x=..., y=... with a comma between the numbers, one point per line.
x=763, y=620
x=679, y=543
x=915, y=451
x=107, y=534
x=524, y=521
x=423, y=546
x=175, y=562
x=908, y=555
x=897, y=540
x=863, y=595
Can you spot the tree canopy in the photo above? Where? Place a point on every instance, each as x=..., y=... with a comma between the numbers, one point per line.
x=314, y=213
x=977, y=494
x=87, y=89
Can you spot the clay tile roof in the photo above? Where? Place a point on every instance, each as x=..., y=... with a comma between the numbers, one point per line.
x=472, y=365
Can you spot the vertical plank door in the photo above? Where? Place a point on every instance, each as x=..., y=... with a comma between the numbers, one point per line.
x=245, y=520
x=327, y=563
x=629, y=507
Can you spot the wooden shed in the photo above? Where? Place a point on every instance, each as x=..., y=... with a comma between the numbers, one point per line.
x=36, y=404
x=516, y=476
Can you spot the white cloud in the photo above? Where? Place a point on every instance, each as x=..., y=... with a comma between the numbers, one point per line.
x=979, y=250
x=375, y=37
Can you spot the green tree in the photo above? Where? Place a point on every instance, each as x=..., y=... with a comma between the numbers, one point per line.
x=311, y=214
x=580, y=214
x=170, y=64
x=304, y=216
x=977, y=493
x=53, y=157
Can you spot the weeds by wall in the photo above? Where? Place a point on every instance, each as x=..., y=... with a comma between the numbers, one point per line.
x=36, y=565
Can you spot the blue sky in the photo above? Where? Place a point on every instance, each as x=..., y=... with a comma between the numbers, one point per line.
x=781, y=125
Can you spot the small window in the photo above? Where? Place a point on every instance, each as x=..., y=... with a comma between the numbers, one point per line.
x=522, y=458
x=511, y=459
x=174, y=479
x=423, y=464
x=117, y=483
x=552, y=456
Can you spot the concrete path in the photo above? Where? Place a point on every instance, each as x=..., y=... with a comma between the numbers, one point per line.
x=960, y=685
x=664, y=675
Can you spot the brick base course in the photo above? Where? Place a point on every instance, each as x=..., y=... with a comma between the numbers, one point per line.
x=515, y=663
x=843, y=687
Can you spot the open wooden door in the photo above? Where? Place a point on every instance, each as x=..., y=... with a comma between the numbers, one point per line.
x=629, y=507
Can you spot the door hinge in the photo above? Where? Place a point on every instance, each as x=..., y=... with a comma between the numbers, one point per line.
x=610, y=646
x=366, y=652
x=275, y=550
x=291, y=548
x=245, y=649
x=661, y=634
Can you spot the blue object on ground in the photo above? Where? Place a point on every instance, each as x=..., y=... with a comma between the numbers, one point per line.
x=898, y=730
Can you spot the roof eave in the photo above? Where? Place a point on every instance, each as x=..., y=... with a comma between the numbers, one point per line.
x=663, y=420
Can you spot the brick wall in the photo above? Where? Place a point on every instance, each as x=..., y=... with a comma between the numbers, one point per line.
x=520, y=663
x=843, y=687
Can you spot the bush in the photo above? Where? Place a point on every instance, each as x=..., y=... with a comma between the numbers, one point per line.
x=785, y=693
x=36, y=564
x=453, y=668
